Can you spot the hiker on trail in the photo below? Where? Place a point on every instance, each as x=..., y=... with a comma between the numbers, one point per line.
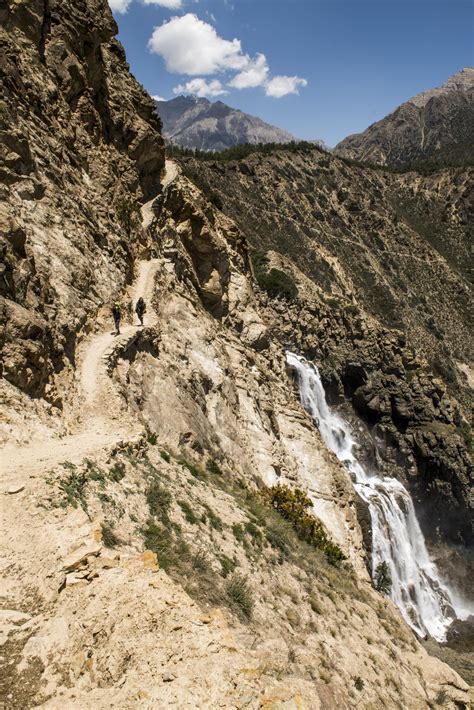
x=130, y=311
x=140, y=309
x=117, y=314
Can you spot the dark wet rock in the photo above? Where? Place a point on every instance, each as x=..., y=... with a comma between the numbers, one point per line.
x=460, y=635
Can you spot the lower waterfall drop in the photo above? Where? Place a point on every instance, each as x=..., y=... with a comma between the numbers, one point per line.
x=424, y=600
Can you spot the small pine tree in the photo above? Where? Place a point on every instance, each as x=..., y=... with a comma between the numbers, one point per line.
x=383, y=579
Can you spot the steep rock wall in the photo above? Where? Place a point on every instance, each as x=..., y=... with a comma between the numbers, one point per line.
x=81, y=145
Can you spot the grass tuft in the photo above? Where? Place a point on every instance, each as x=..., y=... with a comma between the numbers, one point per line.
x=109, y=537
x=240, y=594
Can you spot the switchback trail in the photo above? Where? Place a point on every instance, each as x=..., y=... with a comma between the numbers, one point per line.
x=103, y=420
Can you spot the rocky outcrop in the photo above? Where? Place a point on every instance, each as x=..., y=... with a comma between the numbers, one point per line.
x=119, y=628
x=435, y=125
x=192, y=122
x=207, y=252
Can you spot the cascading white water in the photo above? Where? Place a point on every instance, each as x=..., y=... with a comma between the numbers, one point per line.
x=424, y=600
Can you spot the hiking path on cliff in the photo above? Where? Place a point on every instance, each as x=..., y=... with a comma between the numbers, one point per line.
x=102, y=420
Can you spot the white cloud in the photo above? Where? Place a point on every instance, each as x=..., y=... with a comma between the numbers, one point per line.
x=201, y=87
x=119, y=5
x=190, y=46
x=170, y=4
x=255, y=74
x=156, y=97
x=282, y=85
x=122, y=6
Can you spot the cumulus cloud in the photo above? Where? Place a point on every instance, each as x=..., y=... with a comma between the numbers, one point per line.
x=190, y=46
x=282, y=85
x=170, y=4
x=255, y=74
x=156, y=97
x=122, y=6
x=119, y=5
x=200, y=87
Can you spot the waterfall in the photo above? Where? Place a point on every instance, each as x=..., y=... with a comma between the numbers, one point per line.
x=424, y=600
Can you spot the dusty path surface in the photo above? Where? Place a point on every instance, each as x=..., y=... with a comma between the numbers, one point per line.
x=103, y=421
x=94, y=380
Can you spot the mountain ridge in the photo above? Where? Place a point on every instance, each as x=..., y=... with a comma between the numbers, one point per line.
x=437, y=125
x=193, y=122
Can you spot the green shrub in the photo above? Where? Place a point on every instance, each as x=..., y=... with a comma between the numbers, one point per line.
x=293, y=506
x=194, y=469
x=240, y=595
x=200, y=561
x=117, y=472
x=279, y=534
x=94, y=473
x=274, y=281
x=213, y=467
x=383, y=579
x=74, y=485
x=359, y=683
x=189, y=514
x=109, y=538
x=254, y=532
x=165, y=456
x=152, y=437
x=159, y=501
x=171, y=553
x=214, y=520
x=227, y=565
x=239, y=532
x=465, y=431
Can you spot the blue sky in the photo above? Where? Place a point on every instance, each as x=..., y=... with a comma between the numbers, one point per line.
x=318, y=68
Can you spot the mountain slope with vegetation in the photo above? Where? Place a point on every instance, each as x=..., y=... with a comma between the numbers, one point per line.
x=434, y=127
x=388, y=254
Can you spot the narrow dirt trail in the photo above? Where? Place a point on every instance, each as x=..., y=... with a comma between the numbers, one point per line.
x=93, y=368
x=103, y=419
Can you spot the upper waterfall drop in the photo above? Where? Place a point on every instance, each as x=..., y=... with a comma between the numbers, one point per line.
x=424, y=600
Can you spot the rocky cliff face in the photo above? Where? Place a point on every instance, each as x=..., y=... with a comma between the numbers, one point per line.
x=81, y=145
x=143, y=563
x=197, y=123
x=436, y=125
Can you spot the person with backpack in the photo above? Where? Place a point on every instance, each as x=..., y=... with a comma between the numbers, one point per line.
x=117, y=315
x=140, y=309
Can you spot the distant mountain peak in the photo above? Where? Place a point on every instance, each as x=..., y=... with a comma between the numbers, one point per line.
x=194, y=122
x=461, y=81
x=435, y=125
